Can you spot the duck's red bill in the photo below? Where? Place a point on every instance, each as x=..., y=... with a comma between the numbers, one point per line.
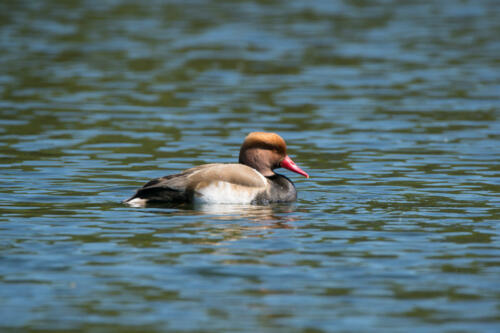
x=287, y=163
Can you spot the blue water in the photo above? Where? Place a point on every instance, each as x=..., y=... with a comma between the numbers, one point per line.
x=392, y=108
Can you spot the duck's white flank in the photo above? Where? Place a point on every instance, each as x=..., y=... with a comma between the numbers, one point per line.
x=221, y=192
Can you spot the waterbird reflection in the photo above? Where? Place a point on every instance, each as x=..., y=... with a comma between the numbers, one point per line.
x=278, y=214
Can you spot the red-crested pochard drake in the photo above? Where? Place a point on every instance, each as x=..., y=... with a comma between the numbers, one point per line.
x=252, y=181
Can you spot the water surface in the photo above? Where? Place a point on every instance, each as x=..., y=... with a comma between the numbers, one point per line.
x=391, y=107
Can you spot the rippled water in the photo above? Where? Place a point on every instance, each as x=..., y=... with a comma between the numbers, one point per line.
x=392, y=107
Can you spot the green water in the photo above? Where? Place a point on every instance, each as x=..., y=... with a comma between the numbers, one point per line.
x=392, y=107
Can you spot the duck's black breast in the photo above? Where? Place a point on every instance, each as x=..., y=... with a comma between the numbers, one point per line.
x=281, y=189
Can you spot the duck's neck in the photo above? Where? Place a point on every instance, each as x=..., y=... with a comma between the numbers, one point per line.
x=259, y=159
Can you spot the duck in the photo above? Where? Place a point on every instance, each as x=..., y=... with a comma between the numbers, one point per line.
x=250, y=181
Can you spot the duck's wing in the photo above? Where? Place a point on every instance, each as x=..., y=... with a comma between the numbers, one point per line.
x=181, y=187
